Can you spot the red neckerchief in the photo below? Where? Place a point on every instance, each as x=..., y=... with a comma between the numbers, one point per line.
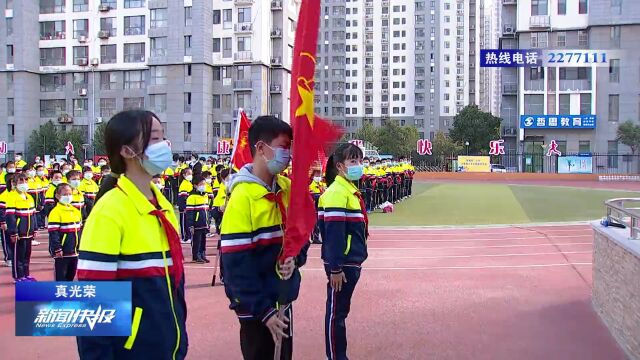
x=277, y=198
x=363, y=210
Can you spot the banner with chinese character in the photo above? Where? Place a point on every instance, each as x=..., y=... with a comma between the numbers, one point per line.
x=558, y=121
x=510, y=58
x=474, y=163
x=82, y=308
x=575, y=165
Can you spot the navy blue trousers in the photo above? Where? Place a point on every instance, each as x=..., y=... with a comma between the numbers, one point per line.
x=338, y=306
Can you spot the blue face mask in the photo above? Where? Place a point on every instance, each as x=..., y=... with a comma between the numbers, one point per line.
x=354, y=172
x=159, y=158
x=280, y=161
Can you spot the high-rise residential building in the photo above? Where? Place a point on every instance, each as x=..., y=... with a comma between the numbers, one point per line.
x=489, y=87
x=192, y=62
x=610, y=92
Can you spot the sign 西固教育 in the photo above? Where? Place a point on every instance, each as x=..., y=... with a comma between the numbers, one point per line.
x=510, y=58
x=83, y=308
x=474, y=163
x=558, y=121
x=575, y=165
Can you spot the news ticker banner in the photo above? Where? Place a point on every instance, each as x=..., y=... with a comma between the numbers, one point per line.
x=82, y=308
x=547, y=58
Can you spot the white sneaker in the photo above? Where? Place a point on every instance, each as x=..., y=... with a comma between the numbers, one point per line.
x=35, y=243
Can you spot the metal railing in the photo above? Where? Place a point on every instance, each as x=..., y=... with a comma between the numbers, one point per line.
x=625, y=211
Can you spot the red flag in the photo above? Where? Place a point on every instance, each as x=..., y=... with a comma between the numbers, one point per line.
x=310, y=133
x=241, y=151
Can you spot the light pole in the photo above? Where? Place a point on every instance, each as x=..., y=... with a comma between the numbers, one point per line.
x=466, y=144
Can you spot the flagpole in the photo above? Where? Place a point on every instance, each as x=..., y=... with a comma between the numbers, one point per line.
x=236, y=134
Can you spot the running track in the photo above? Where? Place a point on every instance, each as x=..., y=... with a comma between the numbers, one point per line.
x=483, y=293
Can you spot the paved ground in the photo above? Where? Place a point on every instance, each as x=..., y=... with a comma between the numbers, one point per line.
x=485, y=293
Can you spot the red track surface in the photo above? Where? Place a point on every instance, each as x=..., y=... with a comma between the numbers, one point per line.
x=601, y=185
x=486, y=293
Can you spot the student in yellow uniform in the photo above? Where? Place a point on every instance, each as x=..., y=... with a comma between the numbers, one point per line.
x=7, y=247
x=89, y=189
x=77, y=196
x=3, y=182
x=208, y=189
x=49, y=197
x=220, y=199
x=41, y=178
x=316, y=188
x=34, y=191
x=197, y=219
x=19, y=162
x=65, y=229
x=132, y=236
x=21, y=226
x=186, y=175
x=167, y=178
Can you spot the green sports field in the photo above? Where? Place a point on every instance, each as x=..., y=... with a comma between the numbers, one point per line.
x=482, y=204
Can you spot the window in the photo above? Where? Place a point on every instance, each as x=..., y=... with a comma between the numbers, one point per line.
x=11, y=131
x=244, y=43
x=134, y=25
x=216, y=45
x=562, y=7
x=565, y=104
x=52, y=6
x=615, y=36
x=134, y=103
x=188, y=17
x=562, y=39
x=584, y=146
x=107, y=107
x=216, y=102
x=112, y=4
x=159, y=18
x=187, y=45
x=187, y=70
x=10, y=107
x=9, y=4
x=158, y=103
x=226, y=101
x=187, y=131
x=52, y=30
x=226, y=47
x=614, y=107
x=158, y=46
x=583, y=38
x=614, y=71
x=616, y=7
x=582, y=6
x=612, y=150
x=52, y=108
x=80, y=55
x=533, y=104
x=539, y=7
x=134, y=79
x=80, y=107
x=108, y=80
x=244, y=15
x=109, y=24
x=539, y=39
x=80, y=80
x=216, y=17
x=80, y=5
x=52, y=82
x=585, y=104
x=9, y=22
x=158, y=75
x=134, y=53
x=227, y=18
x=187, y=102
x=129, y=4
x=108, y=54
x=52, y=57
x=80, y=28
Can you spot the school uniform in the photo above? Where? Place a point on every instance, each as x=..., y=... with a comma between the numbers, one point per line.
x=34, y=191
x=168, y=179
x=44, y=186
x=65, y=229
x=89, y=189
x=7, y=246
x=197, y=218
x=21, y=222
x=20, y=164
x=77, y=201
x=132, y=238
x=316, y=189
x=344, y=227
x=183, y=193
x=218, y=202
x=251, y=241
x=3, y=181
x=49, y=199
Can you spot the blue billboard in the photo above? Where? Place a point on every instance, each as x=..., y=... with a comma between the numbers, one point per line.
x=558, y=121
x=575, y=165
x=510, y=58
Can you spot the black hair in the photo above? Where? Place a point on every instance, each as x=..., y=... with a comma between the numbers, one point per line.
x=105, y=167
x=55, y=166
x=202, y=159
x=39, y=166
x=19, y=176
x=219, y=168
x=155, y=177
x=176, y=157
x=73, y=173
x=9, y=181
x=194, y=155
x=182, y=172
x=196, y=180
x=19, y=154
x=10, y=163
x=54, y=172
x=87, y=169
x=181, y=158
x=206, y=174
x=267, y=128
x=197, y=169
x=344, y=152
x=102, y=158
x=59, y=190
x=223, y=174
x=132, y=128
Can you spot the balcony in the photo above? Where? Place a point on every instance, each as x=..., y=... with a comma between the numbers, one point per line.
x=368, y=54
x=385, y=16
x=276, y=89
x=540, y=22
x=385, y=91
x=243, y=2
x=384, y=104
x=243, y=28
x=276, y=33
x=510, y=89
x=368, y=16
x=276, y=5
x=368, y=66
x=368, y=91
x=276, y=61
x=533, y=85
x=243, y=56
x=368, y=78
x=509, y=2
x=575, y=85
x=368, y=104
x=242, y=85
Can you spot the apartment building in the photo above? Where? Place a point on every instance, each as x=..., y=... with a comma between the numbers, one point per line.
x=192, y=62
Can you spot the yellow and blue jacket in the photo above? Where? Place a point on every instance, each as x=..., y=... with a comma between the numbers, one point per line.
x=3, y=207
x=123, y=241
x=65, y=229
x=89, y=189
x=49, y=198
x=251, y=241
x=20, y=214
x=3, y=181
x=342, y=225
x=221, y=196
x=197, y=211
x=186, y=187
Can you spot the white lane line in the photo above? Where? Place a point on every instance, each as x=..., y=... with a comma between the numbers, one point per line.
x=465, y=256
x=365, y=267
x=471, y=239
x=454, y=232
x=470, y=247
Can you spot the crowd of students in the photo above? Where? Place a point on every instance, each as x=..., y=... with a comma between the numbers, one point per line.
x=133, y=235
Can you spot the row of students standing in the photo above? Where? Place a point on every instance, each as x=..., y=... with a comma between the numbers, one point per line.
x=385, y=181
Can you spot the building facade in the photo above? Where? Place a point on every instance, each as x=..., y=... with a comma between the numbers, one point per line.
x=192, y=62
x=609, y=92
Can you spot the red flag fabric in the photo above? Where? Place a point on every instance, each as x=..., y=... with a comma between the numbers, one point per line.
x=310, y=133
x=241, y=151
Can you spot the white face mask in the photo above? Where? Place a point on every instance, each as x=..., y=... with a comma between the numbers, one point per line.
x=159, y=186
x=208, y=181
x=22, y=188
x=74, y=183
x=88, y=176
x=31, y=173
x=317, y=178
x=188, y=177
x=201, y=188
x=56, y=182
x=102, y=163
x=65, y=199
x=11, y=170
x=40, y=173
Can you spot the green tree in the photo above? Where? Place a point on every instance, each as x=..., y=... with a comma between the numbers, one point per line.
x=44, y=140
x=396, y=140
x=476, y=127
x=629, y=134
x=98, y=139
x=368, y=133
x=443, y=145
x=77, y=138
